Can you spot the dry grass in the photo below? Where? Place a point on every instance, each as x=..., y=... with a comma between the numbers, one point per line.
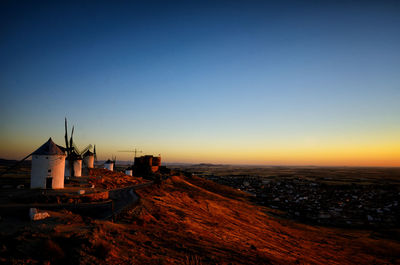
x=184, y=222
x=192, y=260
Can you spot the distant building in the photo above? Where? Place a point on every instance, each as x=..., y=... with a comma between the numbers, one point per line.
x=109, y=165
x=48, y=163
x=128, y=171
x=147, y=164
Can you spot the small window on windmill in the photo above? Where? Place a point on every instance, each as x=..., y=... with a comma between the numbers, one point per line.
x=49, y=170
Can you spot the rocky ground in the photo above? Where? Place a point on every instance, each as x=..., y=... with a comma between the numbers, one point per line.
x=188, y=221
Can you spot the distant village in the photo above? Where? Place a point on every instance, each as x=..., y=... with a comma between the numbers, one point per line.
x=352, y=205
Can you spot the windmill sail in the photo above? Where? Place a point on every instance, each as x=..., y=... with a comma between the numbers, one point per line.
x=95, y=155
x=66, y=136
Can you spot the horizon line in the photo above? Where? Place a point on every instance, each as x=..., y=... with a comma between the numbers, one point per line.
x=234, y=164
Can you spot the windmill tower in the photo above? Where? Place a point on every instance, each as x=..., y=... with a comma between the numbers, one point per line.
x=48, y=163
x=129, y=171
x=73, y=165
x=88, y=159
x=109, y=165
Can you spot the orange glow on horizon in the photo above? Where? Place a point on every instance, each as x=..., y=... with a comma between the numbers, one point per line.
x=385, y=154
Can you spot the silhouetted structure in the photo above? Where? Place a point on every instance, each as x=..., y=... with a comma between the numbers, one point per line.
x=147, y=164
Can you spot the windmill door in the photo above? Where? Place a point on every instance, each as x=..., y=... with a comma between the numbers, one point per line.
x=49, y=183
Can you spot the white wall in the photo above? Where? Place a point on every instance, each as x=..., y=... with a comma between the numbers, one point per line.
x=128, y=172
x=89, y=161
x=109, y=166
x=41, y=164
x=78, y=168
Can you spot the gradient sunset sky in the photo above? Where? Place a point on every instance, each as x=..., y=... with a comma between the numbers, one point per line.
x=239, y=82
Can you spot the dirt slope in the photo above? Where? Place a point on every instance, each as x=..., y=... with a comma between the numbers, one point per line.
x=107, y=179
x=189, y=221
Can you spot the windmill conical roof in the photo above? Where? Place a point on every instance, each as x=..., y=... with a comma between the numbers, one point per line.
x=62, y=148
x=74, y=156
x=88, y=153
x=48, y=148
x=109, y=161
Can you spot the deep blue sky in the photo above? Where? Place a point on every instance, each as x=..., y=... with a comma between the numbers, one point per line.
x=220, y=81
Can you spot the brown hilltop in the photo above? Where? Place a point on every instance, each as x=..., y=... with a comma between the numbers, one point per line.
x=190, y=221
x=107, y=179
x=221, y=230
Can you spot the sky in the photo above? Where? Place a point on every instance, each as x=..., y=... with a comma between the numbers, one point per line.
x=234, y=82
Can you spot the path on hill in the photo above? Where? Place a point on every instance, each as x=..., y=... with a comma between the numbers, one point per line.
x=119, y=199
x=123, y=198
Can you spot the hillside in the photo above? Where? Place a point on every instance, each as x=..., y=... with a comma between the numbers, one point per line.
x=189, y=221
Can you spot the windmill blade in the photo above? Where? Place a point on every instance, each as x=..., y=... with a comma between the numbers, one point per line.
x=94, y=152
x=84, y=164
x=85, y=149
x=70, y=140
x=75, y=148
x=66, y=135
